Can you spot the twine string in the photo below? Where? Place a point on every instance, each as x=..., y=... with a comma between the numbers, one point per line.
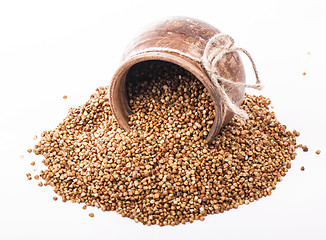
x=215, y=49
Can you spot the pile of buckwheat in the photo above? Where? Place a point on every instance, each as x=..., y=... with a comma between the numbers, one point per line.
x=162, y=171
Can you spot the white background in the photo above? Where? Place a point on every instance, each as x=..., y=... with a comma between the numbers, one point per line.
x=53, y=48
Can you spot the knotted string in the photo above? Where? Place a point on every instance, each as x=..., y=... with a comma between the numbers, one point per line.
x=216, y=48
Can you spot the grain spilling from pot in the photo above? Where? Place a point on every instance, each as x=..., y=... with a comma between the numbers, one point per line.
x=162, y=171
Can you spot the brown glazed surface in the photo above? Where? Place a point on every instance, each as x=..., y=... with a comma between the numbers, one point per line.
x=186, y=35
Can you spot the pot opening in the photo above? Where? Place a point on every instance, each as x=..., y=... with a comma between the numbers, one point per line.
x=156, y=86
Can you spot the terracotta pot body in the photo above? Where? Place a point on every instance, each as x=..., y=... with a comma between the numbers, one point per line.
x=188, y=36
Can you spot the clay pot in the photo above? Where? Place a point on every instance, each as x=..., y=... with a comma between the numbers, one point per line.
x=188, y=36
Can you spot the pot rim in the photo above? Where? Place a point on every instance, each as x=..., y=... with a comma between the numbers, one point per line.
x=194, y=67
